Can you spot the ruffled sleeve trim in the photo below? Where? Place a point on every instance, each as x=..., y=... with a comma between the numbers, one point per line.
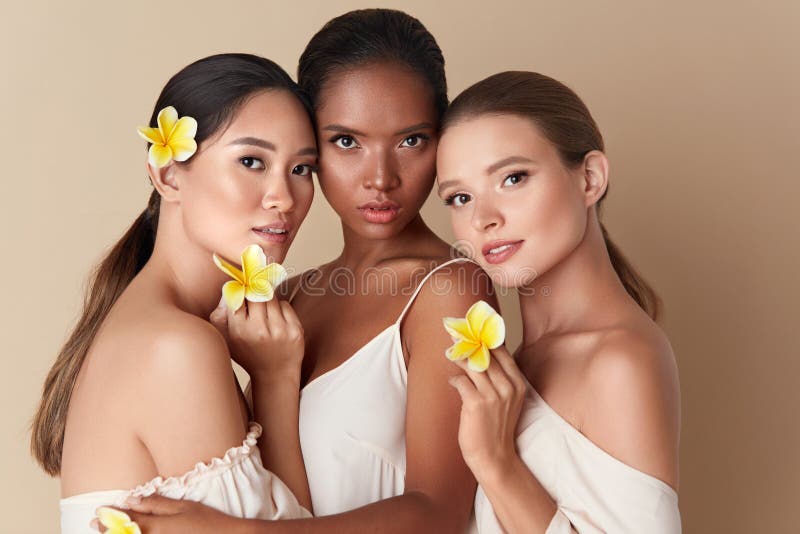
x=232, y=457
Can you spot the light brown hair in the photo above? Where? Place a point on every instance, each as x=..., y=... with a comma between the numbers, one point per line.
x=565, y=121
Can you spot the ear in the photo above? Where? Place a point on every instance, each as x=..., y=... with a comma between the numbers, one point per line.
x=164, y=181
x=595, y=177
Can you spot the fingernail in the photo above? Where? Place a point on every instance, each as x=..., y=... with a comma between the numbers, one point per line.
x=133, y=499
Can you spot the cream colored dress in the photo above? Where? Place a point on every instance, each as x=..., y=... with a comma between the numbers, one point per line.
x=353, y=423
x=235, y=483
x=594, y=491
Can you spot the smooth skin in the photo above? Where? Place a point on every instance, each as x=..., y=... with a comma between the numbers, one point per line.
x=156, y=394
x=588, y=349
x=377, y=131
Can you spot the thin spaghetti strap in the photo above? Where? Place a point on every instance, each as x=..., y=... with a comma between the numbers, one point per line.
x=422, y=283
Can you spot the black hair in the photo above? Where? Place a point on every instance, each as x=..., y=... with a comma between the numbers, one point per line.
x=367, y=36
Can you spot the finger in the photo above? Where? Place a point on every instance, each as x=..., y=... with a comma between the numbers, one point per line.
x=481, y=381
x=277, y=324
x=96, y=525
x=219, y=318
x=293, y=324
x=465, y=387
x=497, y=375
x=154, y=504
x=511, y=369
x=274, y=312
x=257, y=313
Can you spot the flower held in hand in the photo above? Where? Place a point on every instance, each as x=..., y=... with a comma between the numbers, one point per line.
x=481, y=330
x=256, y=281
x=117, y=522
x=172, y=140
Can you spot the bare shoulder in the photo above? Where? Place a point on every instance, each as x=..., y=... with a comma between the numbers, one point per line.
x=448, y=292
x=633, y=400
x=453, y=288
x=186, y=392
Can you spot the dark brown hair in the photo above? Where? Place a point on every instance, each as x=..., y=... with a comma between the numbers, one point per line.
x=367, y=36
x=565, y=121
x=211, y=90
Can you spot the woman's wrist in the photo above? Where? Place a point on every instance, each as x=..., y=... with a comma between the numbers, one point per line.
x=275, y=378
x=497, y=469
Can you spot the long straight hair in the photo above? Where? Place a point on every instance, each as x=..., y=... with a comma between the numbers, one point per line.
x=565, y=121
x=211, y=90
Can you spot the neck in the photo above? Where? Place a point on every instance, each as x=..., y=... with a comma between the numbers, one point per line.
x=414, y=239
x=183, y=270
x=582, y=292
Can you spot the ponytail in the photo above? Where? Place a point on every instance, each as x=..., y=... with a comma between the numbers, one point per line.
x=210, y=90
x=111, y=278
x=634, y=283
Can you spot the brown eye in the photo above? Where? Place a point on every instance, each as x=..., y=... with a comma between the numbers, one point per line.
x=514, y=179
x=303, y=170
x=344, y=141
x=252, y=163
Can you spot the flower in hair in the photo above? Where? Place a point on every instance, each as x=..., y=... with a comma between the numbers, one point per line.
x=117, y=522
x=256, y=281
x=482, y=329
x=172, y=140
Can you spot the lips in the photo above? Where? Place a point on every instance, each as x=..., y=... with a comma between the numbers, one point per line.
x=499, y=251
x=277, y=232
x=379, y=211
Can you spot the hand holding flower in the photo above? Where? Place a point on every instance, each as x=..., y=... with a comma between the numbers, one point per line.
x=116, y=521
x=491, y=405
x=160, y=515
x=265, y=336
x=492, y=392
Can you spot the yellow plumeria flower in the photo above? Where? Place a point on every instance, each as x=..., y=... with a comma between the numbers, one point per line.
x=481, y=330
x=256, y=281
x=172, y=140
x=117, y=522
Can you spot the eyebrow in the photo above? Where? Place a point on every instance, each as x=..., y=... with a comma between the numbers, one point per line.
x=415, y=128
x=255, y=141
x=341, y=129
x=494, y=167
x=447, y=183
x=410, y=129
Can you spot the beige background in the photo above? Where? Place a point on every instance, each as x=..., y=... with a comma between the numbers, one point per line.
x=697, y=101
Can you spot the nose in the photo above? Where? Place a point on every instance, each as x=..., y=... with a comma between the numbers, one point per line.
x=278, y=194
x=485, y=216
x=382, y=173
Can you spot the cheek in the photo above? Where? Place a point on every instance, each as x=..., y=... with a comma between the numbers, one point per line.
x=303, y=195
x=417, y=173
x=467, y=239
x=554, y=221
x=338, y=174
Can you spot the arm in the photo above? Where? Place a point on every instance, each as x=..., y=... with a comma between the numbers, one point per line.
x=491, y=405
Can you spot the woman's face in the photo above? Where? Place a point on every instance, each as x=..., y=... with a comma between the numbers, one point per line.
x=513, y=204
x=252, y=182
x=377, y=127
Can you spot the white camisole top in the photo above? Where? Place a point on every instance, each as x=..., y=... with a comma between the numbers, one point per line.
x=353, y=421
x=595, y=493
x=235, y=483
